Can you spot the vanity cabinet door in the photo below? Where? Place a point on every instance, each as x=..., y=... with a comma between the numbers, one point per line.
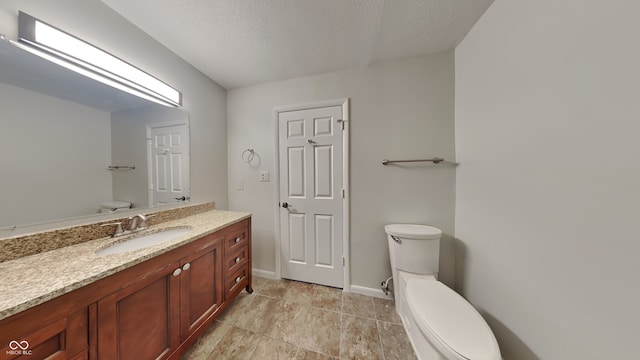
x=201, y=284
x=141, y=321
x=29, y=337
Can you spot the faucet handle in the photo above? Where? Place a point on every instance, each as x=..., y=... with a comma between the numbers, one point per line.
x=132, y=223
x=143, y=222
x=118, y=226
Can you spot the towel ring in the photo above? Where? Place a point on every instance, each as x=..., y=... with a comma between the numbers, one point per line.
x=249, y=156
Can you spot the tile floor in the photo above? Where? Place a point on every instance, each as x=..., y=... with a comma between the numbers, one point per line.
x=285, y=319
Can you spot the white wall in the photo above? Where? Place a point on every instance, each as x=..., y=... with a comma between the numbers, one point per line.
x=399, y=110
x=548, y=195
x=39, y=154
x=205, y=101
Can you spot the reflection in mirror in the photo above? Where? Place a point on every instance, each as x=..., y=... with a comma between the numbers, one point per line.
x=59, y=133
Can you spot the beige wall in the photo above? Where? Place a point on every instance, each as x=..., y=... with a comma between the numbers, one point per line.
x=547, y=196
x=402, y=109
x=205, y=101
x=39, y=158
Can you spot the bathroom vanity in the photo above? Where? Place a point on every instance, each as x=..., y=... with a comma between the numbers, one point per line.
x=153, y=303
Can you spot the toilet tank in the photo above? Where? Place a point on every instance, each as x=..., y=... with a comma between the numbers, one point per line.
x=414, y=248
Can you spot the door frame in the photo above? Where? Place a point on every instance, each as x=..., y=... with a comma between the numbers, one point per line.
x=344, y=103
x=149, y=140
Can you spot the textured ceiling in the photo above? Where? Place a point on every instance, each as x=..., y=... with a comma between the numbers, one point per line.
x=244, y=42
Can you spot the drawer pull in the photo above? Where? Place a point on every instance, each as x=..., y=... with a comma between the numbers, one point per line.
x=238, y=279
x=238, y=260
x=186, y=266
x=238, y=240
x=177, y=272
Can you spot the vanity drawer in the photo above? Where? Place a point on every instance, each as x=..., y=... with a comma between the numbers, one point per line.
x=236, y=260
x=27, y=338
x=236, y=282
x=236, y=239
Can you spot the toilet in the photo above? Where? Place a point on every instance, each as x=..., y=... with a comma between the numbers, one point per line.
x=440, y=323
x=114, y=206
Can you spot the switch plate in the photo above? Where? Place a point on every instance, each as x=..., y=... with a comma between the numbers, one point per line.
x=241, y=185
x=264, y=175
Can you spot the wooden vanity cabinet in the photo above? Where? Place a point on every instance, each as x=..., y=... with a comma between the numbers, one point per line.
x=153, y=310
x=152, y=317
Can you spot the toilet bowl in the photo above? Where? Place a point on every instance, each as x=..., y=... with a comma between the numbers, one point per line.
x=114, y=206
x=440, y=324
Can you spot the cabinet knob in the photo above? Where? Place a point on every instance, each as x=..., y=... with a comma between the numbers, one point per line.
x=186, y=266
x=238, y=279
x=177, y=272
x=238, y=240
x=238, y=260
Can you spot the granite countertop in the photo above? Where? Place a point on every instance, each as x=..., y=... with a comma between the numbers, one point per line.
x=35, y=279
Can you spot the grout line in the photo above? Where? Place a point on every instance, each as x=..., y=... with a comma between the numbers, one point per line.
x=253, y=353
x=380, y=339
x=225, y=333
x=341, y=331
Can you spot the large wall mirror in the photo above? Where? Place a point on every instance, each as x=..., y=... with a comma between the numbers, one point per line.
x=69, y=144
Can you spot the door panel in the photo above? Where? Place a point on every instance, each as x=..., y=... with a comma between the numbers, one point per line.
x=323, y=239
x=310, y=157
x=296, y=172
x=297, y=237
x=323, y=158
x=169, y=163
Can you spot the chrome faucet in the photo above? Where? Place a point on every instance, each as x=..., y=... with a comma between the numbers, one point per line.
x=138, y=222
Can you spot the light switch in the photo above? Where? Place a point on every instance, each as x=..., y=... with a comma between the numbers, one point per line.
x=264, y=175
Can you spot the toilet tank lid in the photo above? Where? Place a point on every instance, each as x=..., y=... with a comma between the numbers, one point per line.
x=115, y=204
x=413, y=231
x=443, y=313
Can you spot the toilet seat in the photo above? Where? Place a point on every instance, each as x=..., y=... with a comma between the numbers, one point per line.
x=450, y=323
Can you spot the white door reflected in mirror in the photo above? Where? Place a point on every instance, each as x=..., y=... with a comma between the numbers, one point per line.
x=168, y=146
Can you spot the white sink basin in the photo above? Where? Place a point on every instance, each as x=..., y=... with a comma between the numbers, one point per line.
x=144, y=241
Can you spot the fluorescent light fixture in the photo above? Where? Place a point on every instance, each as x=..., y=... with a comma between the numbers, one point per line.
x=77, y=55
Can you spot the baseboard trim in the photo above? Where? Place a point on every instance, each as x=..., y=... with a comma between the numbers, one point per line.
x=370, y=292
x=356, y=289
x=264, y=273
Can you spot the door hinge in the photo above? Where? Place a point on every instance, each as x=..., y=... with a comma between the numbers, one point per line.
x=343, y=261
x=343, y=195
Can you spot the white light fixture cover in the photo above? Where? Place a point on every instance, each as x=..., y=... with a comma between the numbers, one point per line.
x=77, y=55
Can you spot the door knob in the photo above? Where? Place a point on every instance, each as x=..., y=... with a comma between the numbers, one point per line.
x=286, y=205
x=183, y=198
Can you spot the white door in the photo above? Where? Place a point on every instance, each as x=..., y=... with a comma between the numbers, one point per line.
x=169, y=168
x=311, y=195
